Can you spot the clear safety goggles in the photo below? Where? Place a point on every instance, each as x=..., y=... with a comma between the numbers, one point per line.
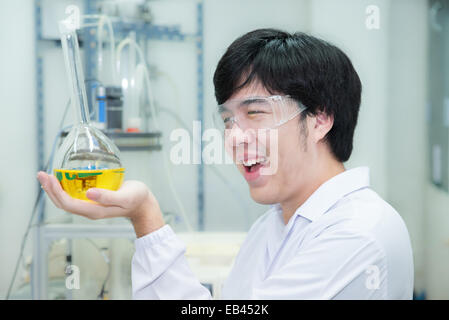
x=257, y=112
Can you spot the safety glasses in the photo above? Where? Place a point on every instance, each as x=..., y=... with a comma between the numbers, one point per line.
x=257, y=112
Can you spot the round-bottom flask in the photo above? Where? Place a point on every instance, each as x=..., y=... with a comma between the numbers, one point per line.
x=88, y=159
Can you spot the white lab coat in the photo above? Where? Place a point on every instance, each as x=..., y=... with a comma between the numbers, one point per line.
x=344, y=242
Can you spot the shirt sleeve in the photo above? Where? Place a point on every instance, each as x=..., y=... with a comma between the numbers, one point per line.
x=160, y=269
x=335, y=265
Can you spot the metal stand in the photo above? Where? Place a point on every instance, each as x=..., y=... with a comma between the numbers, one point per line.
x=45, y=234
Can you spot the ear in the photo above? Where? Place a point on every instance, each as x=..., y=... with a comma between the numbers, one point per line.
x=323, y=124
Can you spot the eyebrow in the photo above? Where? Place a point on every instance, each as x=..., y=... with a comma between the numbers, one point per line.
x=251, y=100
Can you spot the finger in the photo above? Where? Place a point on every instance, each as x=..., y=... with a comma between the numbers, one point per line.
x=108, y=197
x=80, y=207
x=46, y=185
x=67, y=202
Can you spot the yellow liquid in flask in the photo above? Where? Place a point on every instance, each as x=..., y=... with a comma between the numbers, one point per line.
x=77, y=182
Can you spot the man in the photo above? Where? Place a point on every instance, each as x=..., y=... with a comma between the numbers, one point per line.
x=327, y=235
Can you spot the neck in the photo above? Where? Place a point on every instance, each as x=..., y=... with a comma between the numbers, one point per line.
x=321, y=173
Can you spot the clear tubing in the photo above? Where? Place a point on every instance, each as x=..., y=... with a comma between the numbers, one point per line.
x=75, y=76
x=143, y=68
x=102, y=20
x=142, y=65
x=101, y=23
x=133, y=100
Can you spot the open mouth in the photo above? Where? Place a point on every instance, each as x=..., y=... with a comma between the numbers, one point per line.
x=254, y=164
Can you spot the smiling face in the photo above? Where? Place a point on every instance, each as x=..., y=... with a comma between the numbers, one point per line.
x=274, y=162
x=310, y=148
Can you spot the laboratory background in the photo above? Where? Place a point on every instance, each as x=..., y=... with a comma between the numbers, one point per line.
x=167, y=51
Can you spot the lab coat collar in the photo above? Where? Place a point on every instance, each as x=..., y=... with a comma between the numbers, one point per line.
x=329, y=193
x=324, y=198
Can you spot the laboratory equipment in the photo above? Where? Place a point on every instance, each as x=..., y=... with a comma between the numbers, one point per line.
x=134, y=80
x=86, y=158
x=101, y=106
x=114, y=108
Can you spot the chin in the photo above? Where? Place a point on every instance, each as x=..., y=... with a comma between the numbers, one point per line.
x=263, y=195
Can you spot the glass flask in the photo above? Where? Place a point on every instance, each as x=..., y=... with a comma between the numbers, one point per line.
x=87, y=158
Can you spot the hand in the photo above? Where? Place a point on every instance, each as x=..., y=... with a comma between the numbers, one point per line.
x=133, y=200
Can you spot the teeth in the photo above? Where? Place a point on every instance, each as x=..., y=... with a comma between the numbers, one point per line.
x=252, y=162
x=249, y=162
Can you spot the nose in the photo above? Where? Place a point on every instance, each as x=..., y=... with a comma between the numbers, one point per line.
x=236, y=136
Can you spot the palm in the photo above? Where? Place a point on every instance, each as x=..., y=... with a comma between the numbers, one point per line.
x=120, y=203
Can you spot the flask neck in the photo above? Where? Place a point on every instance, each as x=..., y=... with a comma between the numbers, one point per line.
x=69, y=41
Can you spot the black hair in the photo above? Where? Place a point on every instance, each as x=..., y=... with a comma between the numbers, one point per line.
x=310, y=70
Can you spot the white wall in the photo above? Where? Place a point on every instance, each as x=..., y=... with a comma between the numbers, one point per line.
x=18, y=185
x=343, y=23
x=406, y=145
